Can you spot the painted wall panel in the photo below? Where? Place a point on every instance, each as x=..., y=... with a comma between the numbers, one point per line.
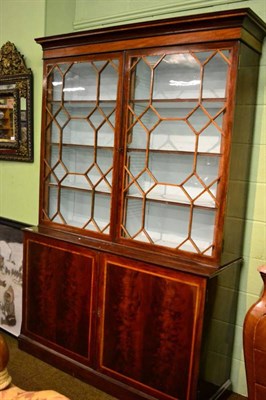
x=21, y=22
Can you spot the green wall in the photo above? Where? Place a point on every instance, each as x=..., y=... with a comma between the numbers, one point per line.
x=23, y=20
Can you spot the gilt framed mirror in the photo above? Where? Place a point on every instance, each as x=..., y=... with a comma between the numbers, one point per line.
x=16, y=106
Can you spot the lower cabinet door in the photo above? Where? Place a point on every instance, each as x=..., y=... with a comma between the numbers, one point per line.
x=150, y=327
x=59, y=296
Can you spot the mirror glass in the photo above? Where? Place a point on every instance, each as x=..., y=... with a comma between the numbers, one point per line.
x=8, y=106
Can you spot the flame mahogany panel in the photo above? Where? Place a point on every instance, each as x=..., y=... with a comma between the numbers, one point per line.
x=149, y=325
x=59, y=286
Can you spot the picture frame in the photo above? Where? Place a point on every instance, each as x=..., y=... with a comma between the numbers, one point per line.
x=11, y=259
x=16, y=106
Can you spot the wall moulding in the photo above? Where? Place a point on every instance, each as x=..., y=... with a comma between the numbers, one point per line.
x=83, y=21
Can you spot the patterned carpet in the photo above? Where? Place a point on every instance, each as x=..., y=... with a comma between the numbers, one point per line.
x=30, y=373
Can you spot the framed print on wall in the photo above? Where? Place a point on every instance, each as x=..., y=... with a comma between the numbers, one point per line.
x=11, y=256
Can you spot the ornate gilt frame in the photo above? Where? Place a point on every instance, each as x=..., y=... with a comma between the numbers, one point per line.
x=16, y=141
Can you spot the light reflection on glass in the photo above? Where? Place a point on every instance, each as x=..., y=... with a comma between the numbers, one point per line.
x=73, y=89
x=184, y=59
x=184, y=83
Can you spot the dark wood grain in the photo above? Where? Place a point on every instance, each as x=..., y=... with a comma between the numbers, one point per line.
x=151, y=321
x=60, y=286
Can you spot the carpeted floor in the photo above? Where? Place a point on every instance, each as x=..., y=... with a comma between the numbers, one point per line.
x=30, y=373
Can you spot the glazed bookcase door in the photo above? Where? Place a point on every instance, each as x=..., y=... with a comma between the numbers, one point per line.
x=80, y=124
x=175, y=148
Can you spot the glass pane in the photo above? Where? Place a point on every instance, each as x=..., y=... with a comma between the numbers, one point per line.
x=169, y=193
x=55, y=85
x=102, y=209
x=173, y=178
x=76, y=109
x=170, y=168
x=53, y=109
x=106, y=135
x=164, y=224
x=203, y=228
x=108, y=83
x=171, y=227
x=215, y=77
x=177, y=77
x=80, y=82
x=53, y=201
x=78, y=131
x=167, y=123
x=210, y=140
x=77, y=167
x=63, y=67
x=59, y=171
x=133, y=218
x=55, y=133
x=62, y=118
x=84, y=130
x=173, y=135
x=174, y=109
x=141, y=79
x=77, y=160
x=97, y=117
x=75, y=206
x=202, y=185
x=149, y=118
x=100, y=173
x=77, y=181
